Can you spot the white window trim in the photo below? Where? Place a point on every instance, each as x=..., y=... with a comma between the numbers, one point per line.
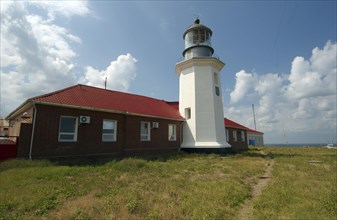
x=227, y=134
x=216, y=78
x=148, y=135
x=243, y=138
x=172, y=137
x=114, y=135
x=68, y=133
x=188, y=113
x=235, y=137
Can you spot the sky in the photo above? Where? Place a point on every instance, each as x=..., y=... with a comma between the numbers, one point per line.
x=279, y=55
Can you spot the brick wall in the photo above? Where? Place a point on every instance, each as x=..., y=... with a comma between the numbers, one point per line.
x=237, y=145
x=89, y=138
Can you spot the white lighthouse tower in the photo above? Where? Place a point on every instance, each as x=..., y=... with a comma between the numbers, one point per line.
x=200, y=99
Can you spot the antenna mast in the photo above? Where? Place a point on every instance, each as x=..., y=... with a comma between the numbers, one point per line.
x=254, y=116
x=105, y=80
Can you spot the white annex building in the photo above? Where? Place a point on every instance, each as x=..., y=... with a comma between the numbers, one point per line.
x=200, y=98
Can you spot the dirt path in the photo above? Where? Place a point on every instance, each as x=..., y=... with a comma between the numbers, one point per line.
x=246, y=211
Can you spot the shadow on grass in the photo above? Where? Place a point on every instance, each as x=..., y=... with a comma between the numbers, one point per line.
x=257, y=152
x=94, y=161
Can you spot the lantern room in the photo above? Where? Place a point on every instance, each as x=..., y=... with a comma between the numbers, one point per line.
x=198, y=41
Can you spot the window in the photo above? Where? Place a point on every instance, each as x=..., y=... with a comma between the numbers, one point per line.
x=145, y=131
x=68, y=129
x=227, y=135
x=234, y=136
x=172, y=134
x=216, y=79
x=243, y=138
x=109, y=133
x=217, y=90
x=187, y=113
x=216, y=83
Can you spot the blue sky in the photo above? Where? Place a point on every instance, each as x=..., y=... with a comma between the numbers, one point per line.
x=279, y=55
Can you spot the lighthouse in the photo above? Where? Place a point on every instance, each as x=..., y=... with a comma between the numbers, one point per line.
x=200, y=98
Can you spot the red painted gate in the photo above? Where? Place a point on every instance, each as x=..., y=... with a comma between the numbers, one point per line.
x=8, y=147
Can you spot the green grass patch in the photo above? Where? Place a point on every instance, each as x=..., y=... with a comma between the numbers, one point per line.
x=303, y=185
x=182, y=186
x=190, y=186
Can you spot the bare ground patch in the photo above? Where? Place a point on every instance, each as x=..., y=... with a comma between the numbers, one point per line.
x=246, y=210
x=80, y=207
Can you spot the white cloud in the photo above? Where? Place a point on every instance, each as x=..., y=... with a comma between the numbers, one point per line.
x=302, y=101
x=119, y=74
x=37, y=54
x=244, y=83
x=67, y=8
x=314, y=77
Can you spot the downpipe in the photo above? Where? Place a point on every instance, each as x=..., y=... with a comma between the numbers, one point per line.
x=33, y=130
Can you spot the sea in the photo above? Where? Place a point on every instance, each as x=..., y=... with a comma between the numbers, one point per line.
x=299, y=145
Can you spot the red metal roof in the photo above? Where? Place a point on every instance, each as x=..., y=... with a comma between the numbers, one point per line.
x=101, y=99
x=227, y=122
x=254, y=131
x=230, y=123
x=175, y=105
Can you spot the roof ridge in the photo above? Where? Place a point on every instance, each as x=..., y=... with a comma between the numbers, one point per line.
x=126, y=93
x=53, y=93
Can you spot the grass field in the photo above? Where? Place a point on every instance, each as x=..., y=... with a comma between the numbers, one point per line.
x=303, y=186
x=182, y=186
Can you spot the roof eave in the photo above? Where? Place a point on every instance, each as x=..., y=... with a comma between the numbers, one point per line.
x=105, y=110
x=229, y=126
x=19, y=110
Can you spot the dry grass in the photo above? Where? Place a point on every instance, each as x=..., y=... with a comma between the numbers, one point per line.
x=183, y=186
x=304, y=185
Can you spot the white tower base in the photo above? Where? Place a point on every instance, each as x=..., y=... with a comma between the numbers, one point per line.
x=200, y=102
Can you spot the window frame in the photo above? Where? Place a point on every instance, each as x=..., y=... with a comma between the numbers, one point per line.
x=188, y=113
x=216, y=83
x=243, y=138
x=148, y=135
x=75, y=133
x=216, y=78
x=114, y=129
x=227, y=134
x=235, y=137
x=173, y=136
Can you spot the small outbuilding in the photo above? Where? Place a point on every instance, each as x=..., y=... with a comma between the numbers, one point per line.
x=255, y=138
x=236, y=135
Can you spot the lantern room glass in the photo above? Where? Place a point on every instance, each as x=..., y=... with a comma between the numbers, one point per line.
x=197, y=37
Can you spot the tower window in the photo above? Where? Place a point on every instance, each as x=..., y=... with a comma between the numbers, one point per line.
x=216, y=83
x=187, y=113
x=216, y=79
x=217, y=90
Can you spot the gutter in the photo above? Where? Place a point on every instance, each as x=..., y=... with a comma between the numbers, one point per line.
x=19, y=109
x=33, y=130
x=105, y=110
